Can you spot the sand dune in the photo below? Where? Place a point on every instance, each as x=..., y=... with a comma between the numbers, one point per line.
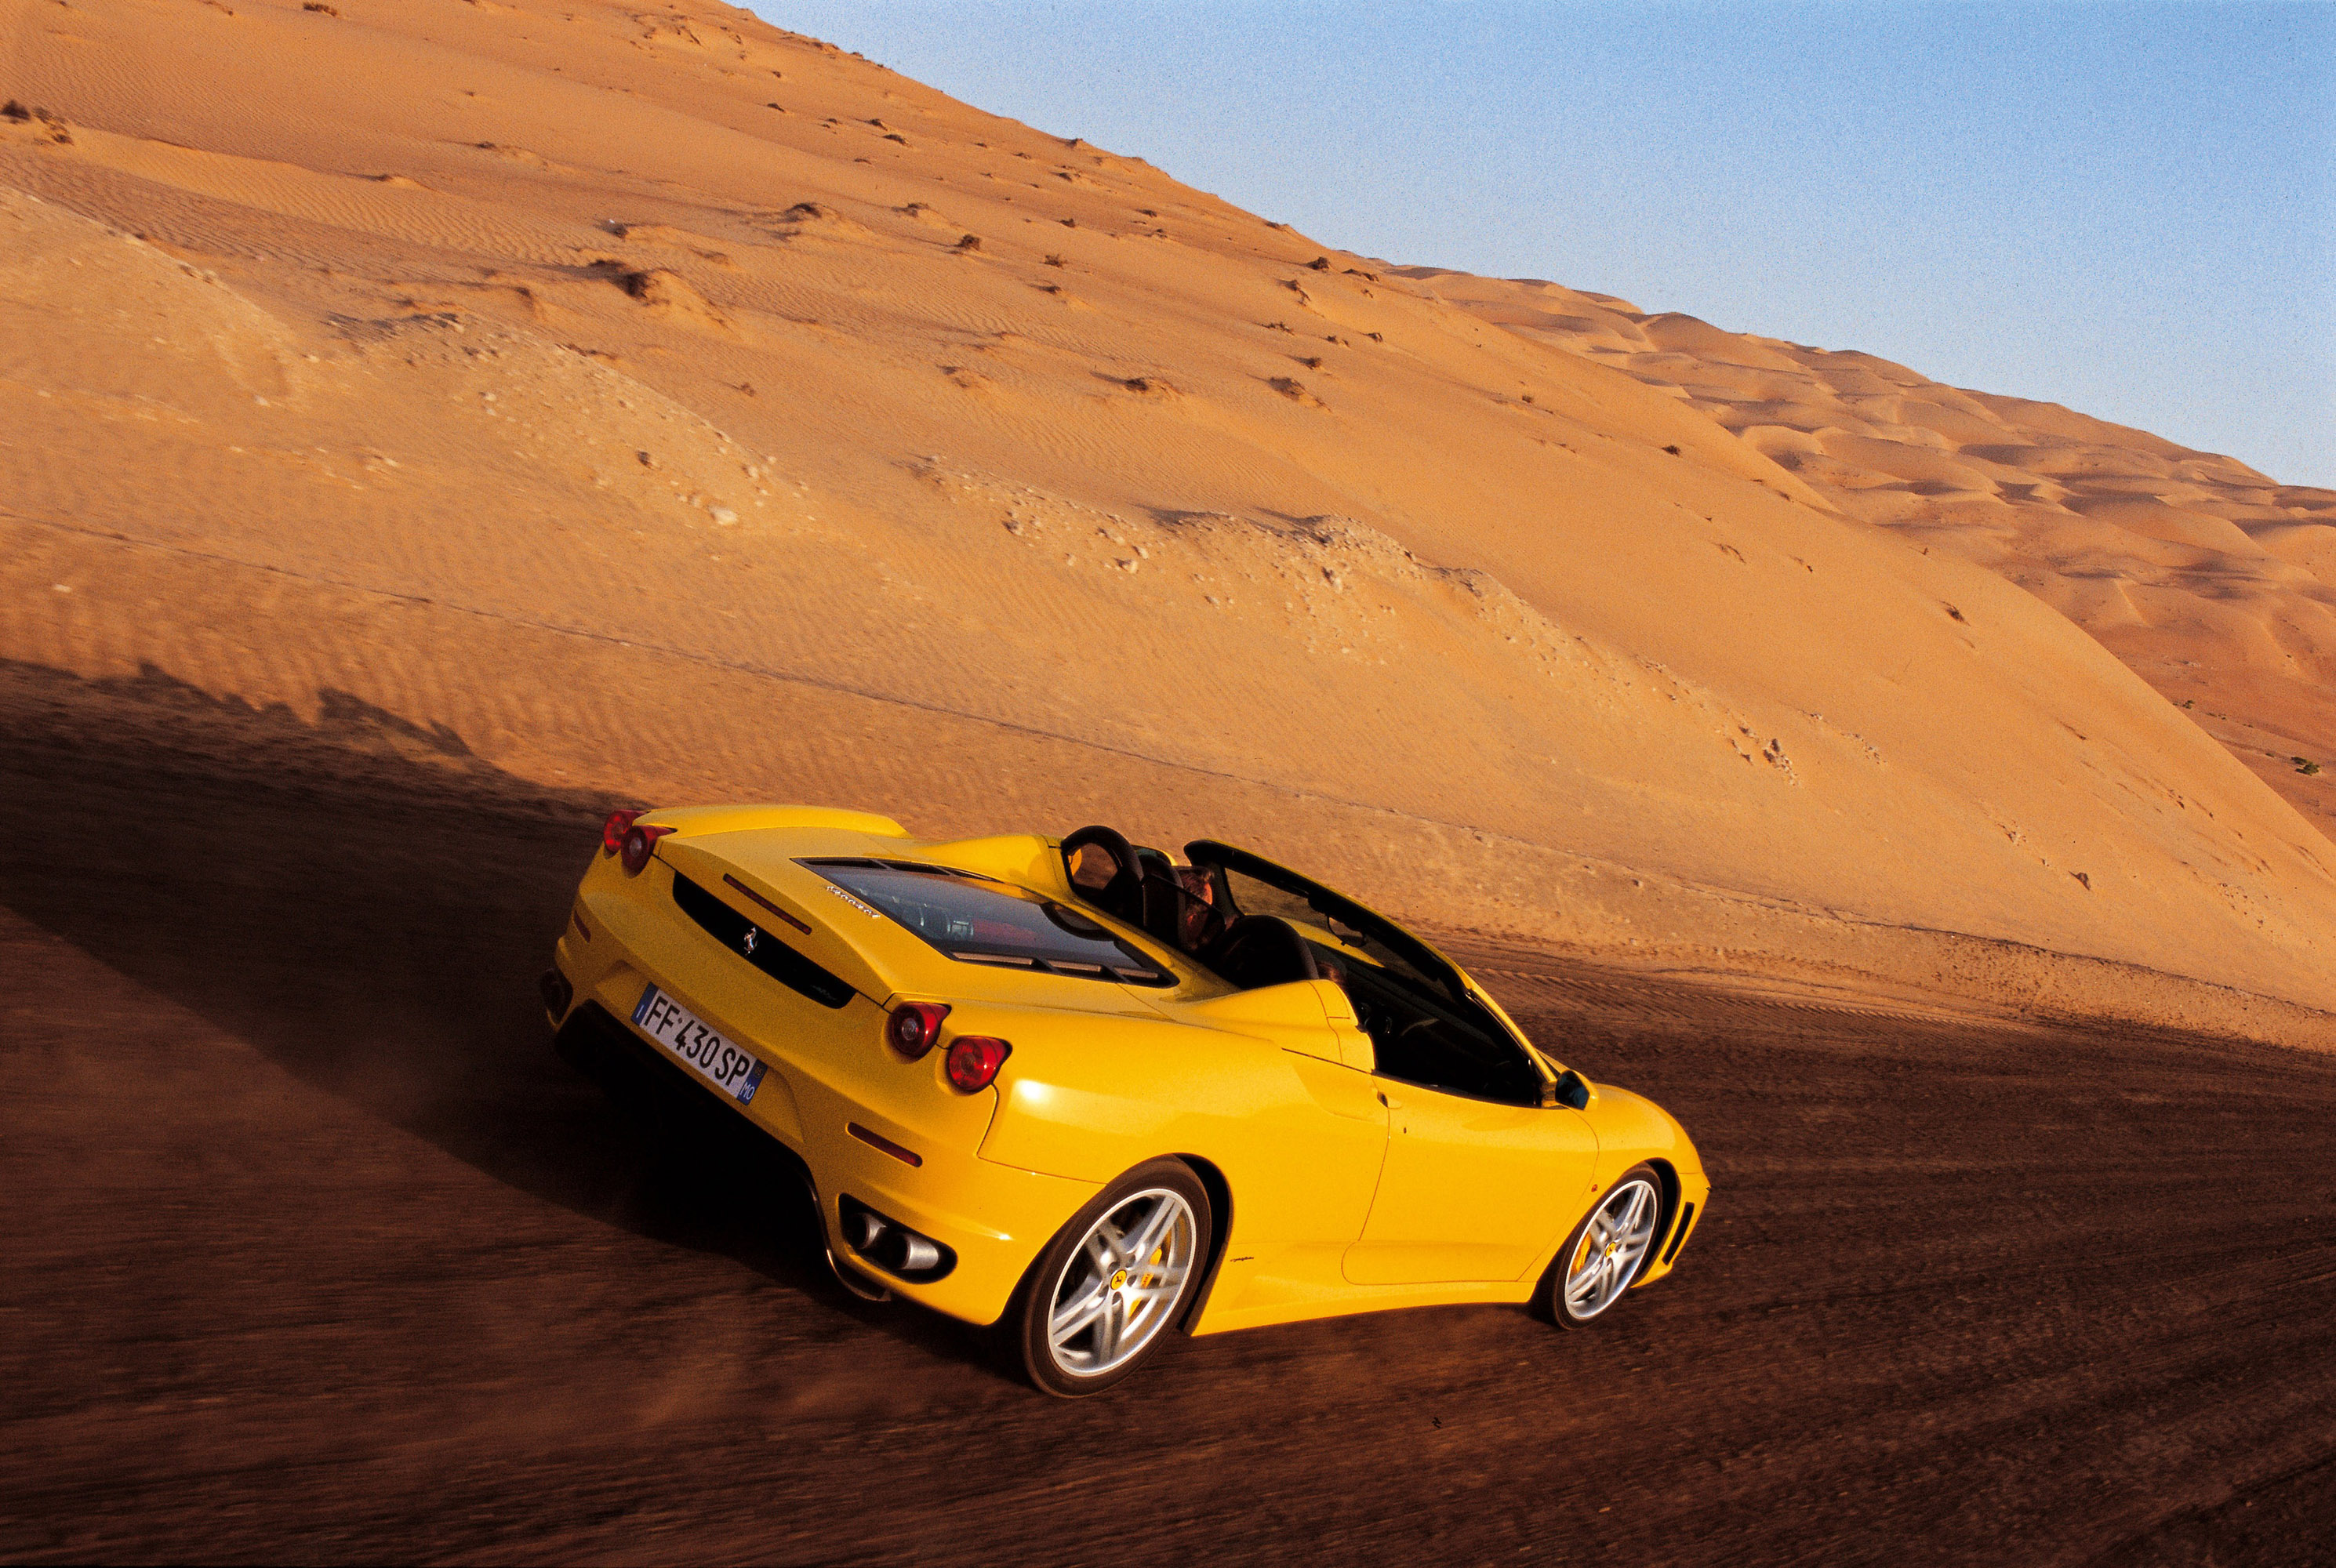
x=519, y=370
x=2213, y=583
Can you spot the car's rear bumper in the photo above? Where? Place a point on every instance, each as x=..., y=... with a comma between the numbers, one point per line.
x=830, y=1072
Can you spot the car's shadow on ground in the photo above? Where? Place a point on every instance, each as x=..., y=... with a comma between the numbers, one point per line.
x=369, y=905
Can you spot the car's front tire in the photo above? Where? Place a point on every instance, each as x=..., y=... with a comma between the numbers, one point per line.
x=1105, y=1294
x=1606, y=1251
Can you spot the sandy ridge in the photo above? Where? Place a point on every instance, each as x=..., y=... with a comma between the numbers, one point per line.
x=2213, y=583
x=1136, y=507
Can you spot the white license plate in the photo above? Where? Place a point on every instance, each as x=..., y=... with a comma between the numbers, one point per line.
x=729, y=1067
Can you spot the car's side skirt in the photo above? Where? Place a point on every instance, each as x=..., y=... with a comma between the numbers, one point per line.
x=1302, y=1304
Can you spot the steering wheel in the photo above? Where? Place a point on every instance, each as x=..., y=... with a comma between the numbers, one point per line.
x=1262, y=950
x=1124, y=894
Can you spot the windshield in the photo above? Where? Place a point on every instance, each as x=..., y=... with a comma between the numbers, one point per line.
x=979, y=921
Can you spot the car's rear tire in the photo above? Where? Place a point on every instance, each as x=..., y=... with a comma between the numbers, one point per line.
x=1107, y=1293
x=1606, y=1251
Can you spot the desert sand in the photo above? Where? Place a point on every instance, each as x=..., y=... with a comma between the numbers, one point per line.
x=316, y=1252
x=427, y=424
x=646, y=401
x=2213, y=583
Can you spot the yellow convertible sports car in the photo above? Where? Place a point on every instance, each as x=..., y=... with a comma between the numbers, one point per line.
x=1084, y=1093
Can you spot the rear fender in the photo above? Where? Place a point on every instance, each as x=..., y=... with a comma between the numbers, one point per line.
x=1087, y=1097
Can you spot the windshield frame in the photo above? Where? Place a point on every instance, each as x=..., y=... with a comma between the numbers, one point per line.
x=1458, y=991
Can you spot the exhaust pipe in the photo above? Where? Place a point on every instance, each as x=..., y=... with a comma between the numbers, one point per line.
x=890, y=1245
x=557, y=993
x=850, y=1279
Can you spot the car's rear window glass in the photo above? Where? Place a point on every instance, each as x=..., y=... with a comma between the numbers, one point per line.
x=979, y=921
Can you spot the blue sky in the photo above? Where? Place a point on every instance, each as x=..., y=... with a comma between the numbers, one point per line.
x=2127, y=209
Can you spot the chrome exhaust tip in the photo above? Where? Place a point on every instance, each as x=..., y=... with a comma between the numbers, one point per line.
x=863, y=1229
x=890, y=1245
x=557, y=993
x=851, y=1280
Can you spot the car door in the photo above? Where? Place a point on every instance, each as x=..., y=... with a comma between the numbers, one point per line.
x=1471, y=1189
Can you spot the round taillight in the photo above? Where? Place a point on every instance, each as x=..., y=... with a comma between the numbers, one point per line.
x=640, y=839
x=973, y=1061
x=915, y=1026
x=620, y=823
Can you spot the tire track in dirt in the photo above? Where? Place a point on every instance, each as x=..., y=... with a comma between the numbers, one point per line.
x=317, y=1252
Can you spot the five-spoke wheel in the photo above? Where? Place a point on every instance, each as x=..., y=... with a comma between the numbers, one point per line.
x=1096, y=1303
x=1606, y=1250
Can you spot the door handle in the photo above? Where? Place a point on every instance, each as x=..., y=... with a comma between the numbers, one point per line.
x=1390, y=1103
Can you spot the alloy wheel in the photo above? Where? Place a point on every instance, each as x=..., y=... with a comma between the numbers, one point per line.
x=1612, y=1246
x=1118, y=1287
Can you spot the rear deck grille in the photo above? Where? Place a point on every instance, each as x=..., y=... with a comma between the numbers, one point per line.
x=758, y=947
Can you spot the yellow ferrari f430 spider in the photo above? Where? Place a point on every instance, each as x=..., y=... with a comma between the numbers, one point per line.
x=1086, y=1094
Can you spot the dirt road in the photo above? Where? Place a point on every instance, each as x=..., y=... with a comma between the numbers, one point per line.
x=314, y=1250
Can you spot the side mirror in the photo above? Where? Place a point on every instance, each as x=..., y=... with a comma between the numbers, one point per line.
x=1572, y=1090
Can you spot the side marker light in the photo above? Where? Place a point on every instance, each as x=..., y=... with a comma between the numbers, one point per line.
x=907, y=1157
